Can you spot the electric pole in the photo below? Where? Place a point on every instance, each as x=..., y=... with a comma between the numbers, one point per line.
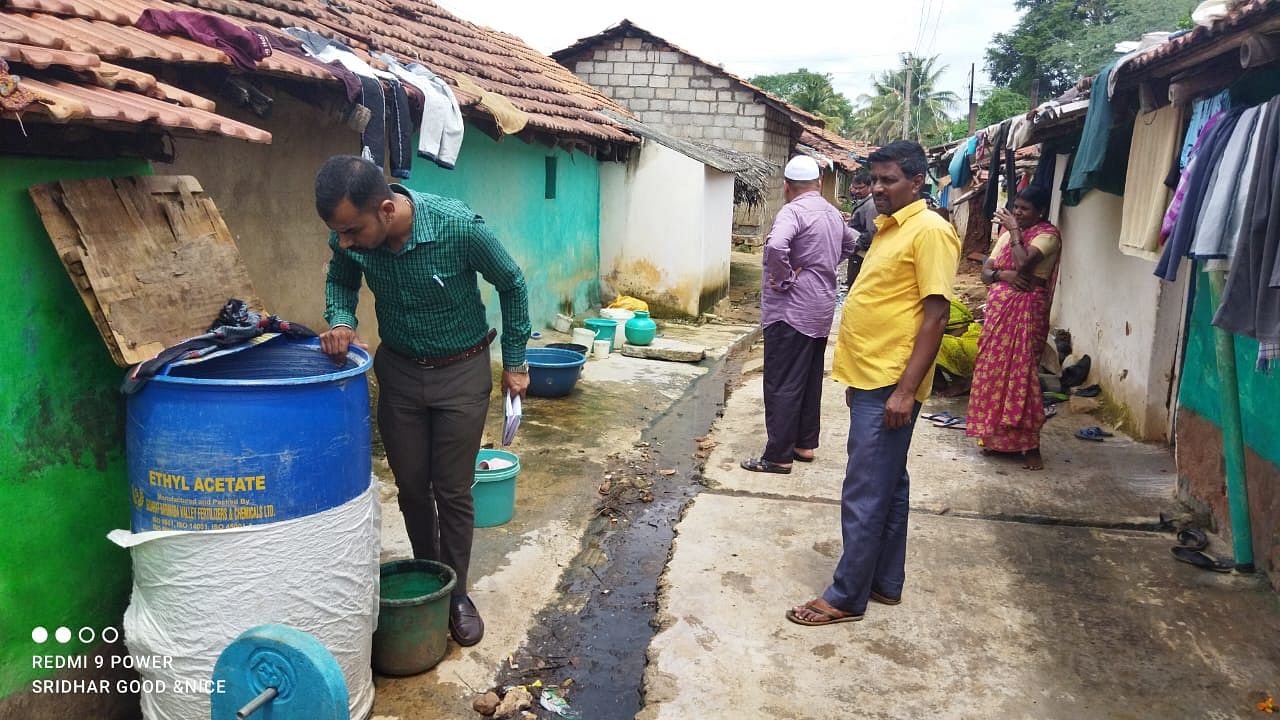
x=906, y=101
x=973, y=107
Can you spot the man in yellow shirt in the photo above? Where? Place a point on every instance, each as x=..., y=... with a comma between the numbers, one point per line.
x=890, y=331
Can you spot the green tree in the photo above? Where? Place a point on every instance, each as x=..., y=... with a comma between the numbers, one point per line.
x=1060, y=41
x=880, y=115
x=813, y=92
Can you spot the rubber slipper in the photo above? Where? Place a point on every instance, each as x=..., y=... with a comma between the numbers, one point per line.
x=1200, y=560
x=1050, y=411
x=762, y=465
x=1096, y=434
x=802, y=458
x=829, y=619
x=931, y=417
x=1088, y=392
x=1193, y=539
x=956, y=423
x=1056, y=397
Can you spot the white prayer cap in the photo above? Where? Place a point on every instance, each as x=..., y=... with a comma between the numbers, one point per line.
x=802, y=168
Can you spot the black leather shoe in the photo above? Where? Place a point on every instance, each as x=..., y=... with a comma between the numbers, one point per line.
x=465, y=624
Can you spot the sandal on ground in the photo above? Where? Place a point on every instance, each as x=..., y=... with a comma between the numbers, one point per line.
x=955, y=423
x=762, y=465
x=1094, y=433
x=827, y=617
x=1050, y=411
x=802, y=458
x=937, y=417
x=1200, y=560
x=885, y=599
x=1193, y=539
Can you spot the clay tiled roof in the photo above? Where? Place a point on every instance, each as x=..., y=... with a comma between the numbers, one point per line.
x=556, y=101
x=1247, y=16
x=626, y=28
x=838, y=149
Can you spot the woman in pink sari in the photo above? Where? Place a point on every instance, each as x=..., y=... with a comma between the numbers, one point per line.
x=1006, y=408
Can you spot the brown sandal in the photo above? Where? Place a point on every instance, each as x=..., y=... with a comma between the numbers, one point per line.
x=829, y=618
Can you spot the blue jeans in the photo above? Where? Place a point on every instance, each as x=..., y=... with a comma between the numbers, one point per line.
x=873, y=505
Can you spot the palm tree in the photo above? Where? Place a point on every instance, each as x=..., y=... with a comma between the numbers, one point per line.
x=880, y=117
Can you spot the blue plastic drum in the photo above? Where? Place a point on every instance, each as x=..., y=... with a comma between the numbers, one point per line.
x=257, y=434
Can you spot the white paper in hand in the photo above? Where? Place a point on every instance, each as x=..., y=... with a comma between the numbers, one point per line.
x=513, y=419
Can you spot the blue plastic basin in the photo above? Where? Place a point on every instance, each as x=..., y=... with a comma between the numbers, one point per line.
x=553, y=372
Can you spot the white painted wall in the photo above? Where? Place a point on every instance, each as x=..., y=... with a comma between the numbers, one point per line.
x=665, y=227
x=1119, y=313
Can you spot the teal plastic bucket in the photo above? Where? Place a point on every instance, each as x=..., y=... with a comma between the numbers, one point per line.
x=494, y=491
x=413, y=616
x=604, y=329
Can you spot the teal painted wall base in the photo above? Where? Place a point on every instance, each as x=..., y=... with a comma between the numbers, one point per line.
x=62, y=479
x=555, y=241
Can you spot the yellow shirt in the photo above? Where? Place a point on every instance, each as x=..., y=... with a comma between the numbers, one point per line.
x=914, y=255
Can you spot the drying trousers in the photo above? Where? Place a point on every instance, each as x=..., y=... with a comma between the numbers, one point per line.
x=431, y=421
x=793, y=364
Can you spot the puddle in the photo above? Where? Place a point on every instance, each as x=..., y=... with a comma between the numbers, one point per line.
x=599, y=632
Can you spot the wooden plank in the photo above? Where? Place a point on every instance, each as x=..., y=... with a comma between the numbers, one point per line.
x=151, y=257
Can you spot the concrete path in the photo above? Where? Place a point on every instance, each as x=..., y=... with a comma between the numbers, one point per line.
x=1043, y=595
x=565, y=446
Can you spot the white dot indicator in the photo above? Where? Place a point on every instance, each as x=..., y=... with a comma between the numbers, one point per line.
x=63, y=635
x=39, y=635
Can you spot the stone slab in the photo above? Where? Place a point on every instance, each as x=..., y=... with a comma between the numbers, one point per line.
x=666, y=349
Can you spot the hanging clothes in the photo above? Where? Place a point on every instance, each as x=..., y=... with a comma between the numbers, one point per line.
x=1156, y=139
x=1094, y=139
x=1201, y=111
x=390, y=125
x=1217, y=229
x=1199, y=174
x=244, y=47
x=1180, y=187
x=441, y=130
x=1251, y=301
x=998, y=143
x=1046, y=168
x=291, y=46
x=509, y=118
x=959, y=168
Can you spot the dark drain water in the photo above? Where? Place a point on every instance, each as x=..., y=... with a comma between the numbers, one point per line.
x=602, y=646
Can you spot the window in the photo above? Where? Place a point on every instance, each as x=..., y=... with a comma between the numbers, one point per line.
x=551, y=178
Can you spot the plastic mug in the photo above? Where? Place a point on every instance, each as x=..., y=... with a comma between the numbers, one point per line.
x=600, y=349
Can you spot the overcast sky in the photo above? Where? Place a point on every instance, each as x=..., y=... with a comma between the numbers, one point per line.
x=853, y=40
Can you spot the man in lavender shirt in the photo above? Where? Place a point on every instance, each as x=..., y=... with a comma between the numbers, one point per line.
x=798, y=301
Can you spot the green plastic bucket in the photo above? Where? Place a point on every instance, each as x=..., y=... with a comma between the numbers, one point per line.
x=494, y=491
x=413, y=616
x=604, y=329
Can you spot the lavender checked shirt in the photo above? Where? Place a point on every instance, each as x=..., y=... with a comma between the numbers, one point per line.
x=808, y=240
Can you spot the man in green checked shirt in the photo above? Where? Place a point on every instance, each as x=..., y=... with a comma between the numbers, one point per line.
x=420, y=255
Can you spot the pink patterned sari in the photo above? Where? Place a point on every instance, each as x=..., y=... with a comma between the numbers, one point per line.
x=1006, y=407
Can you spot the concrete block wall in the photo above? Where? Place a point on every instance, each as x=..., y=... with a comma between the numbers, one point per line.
x=685, y=97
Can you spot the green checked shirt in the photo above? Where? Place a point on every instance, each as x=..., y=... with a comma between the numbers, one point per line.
x=426, y=296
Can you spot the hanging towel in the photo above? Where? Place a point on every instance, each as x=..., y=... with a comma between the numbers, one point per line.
x=244, y=47
x=1156, y=139
x=441, y=131
x=510, y=119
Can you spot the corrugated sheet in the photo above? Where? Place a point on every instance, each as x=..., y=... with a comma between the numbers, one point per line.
x=838, y=149
x=556, y=101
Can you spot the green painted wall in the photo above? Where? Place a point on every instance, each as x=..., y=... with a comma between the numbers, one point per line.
x=556, y=242
x=1259, y=393
x=62, y=477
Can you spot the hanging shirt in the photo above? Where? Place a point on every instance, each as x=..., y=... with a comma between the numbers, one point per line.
x=1219, y=223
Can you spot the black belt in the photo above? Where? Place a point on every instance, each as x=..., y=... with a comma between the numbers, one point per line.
x=439, y=362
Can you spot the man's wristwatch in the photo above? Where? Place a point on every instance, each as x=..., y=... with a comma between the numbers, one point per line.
x=519, y=369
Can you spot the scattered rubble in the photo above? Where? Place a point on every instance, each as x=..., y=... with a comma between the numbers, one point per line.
x=517, y=698
x=486, y=704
